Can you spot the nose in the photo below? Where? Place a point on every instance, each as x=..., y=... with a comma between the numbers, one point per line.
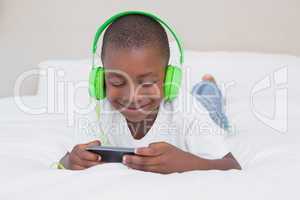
x=134, y=95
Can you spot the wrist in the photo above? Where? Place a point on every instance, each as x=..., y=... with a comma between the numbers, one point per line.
x=64, y=162
x=198, y=163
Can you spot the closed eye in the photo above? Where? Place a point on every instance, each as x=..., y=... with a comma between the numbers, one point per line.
x=116, y=83
x=149, y=84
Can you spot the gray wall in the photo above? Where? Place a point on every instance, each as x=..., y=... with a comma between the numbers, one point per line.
x=35, y=30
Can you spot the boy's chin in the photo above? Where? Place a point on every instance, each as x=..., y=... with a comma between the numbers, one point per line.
x=134, y=119
x=139, y=116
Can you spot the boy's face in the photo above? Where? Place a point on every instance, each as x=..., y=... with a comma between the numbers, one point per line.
x=134, y=80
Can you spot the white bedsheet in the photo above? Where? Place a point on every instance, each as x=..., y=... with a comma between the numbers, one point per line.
x=29, y=144
x=270, y=161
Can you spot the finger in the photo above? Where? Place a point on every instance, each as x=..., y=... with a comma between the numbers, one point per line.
x=149, y=168
x=75, y=163
x=147, y=151
x=154, y=149
x=80, y=151
x=139, y=160
x=88, y=164
x=84, y=163
x=77, y=167
x=89, y=156
x=93, y=143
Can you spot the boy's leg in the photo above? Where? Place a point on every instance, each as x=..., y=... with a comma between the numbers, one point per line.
x=211, y=98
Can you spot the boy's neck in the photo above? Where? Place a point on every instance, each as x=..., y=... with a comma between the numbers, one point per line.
x=140, y=129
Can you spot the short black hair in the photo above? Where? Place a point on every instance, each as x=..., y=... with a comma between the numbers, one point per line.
x=136, y=31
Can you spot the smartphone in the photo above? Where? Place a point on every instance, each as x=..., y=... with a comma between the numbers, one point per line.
x=111, y=154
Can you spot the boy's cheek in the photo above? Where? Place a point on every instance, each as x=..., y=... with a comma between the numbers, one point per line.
x=114, y=93
x=156, y=92
x=112, y=96
x=153, y=94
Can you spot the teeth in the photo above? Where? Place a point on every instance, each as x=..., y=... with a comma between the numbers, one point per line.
x=135, y=108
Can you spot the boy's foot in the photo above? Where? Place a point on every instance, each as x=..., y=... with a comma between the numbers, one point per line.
x=209, y=77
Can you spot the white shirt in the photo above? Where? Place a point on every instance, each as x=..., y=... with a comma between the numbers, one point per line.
x=183, y=122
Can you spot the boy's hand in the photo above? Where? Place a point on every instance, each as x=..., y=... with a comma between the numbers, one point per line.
x=162, y=158
x=80, y=159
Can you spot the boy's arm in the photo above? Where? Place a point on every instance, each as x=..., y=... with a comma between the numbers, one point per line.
x=64, y=161
x=225, y=163
x=165, y=158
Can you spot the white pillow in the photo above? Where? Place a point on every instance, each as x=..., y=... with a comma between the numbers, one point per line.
x=243, y=70
x=64, y=85
x=62, y=70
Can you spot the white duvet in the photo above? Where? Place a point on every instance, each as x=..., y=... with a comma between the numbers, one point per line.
x=29, y=144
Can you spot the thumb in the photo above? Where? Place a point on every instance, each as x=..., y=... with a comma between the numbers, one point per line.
x=93, y=143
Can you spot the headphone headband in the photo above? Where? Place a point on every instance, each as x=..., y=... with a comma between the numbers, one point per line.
x=118, y=15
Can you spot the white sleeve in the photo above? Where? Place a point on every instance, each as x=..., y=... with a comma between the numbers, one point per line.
x=204, y=138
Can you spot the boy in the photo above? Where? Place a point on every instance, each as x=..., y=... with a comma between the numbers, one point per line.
x=169, y=137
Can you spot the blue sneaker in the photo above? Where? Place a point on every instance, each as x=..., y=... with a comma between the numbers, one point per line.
x=211, y=98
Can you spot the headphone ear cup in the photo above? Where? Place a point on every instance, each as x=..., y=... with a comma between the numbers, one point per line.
x=97, y=83
x=173, y=76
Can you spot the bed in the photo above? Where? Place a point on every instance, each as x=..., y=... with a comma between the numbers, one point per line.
x=262, y=101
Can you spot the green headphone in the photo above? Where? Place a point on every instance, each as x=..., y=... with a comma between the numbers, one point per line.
x=173, y=74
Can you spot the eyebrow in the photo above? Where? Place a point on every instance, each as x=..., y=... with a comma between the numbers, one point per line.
x=111, y=74
x=144, y=75
x=139, y=76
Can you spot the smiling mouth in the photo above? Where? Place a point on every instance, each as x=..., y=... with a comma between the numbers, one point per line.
x=133, y=108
